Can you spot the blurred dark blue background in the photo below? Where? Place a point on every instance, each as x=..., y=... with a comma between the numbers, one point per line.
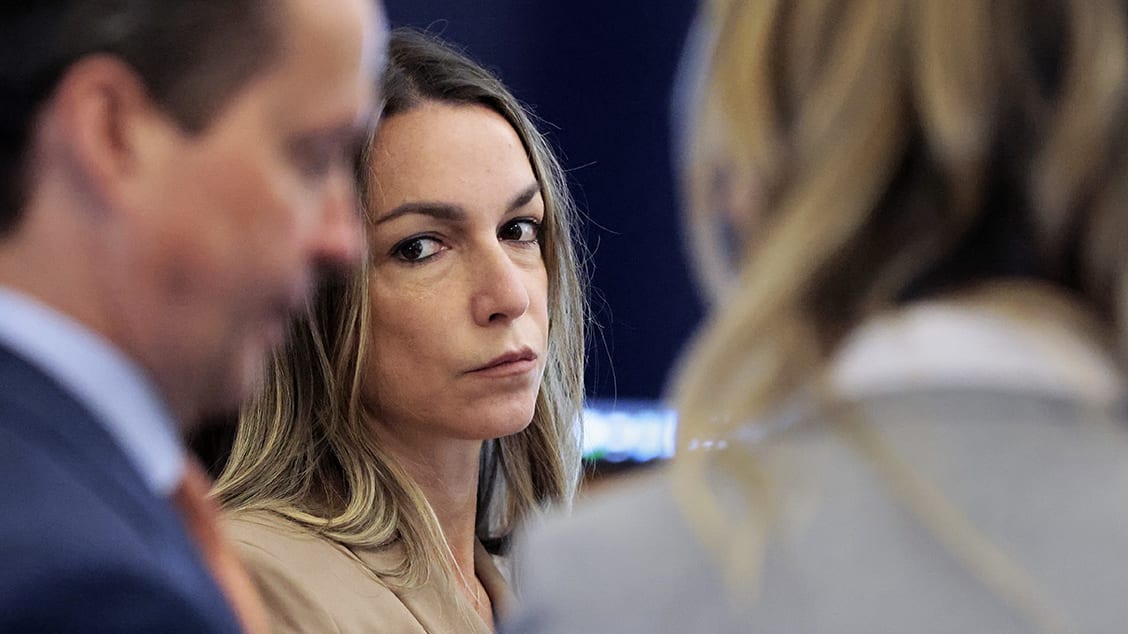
x=599, y=75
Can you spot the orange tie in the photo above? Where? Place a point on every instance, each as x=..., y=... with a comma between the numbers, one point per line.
x=200, y=516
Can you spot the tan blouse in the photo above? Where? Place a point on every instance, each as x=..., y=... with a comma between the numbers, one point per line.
x=311, y=584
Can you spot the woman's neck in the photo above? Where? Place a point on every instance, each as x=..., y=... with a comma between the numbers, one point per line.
x=446, y=471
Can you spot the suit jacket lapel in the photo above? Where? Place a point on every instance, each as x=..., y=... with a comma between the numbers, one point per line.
x=34, y=406
x=40, y=411
x=38, y=408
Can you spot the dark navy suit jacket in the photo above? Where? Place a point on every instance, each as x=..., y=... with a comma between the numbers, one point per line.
x=85, y=545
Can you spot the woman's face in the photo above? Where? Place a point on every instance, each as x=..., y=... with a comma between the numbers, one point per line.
x=459, y=291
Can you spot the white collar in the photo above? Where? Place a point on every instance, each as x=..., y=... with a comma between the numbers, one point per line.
x=964, y=345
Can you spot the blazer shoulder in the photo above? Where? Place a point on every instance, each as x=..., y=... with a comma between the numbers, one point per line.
x=269, y=531
x=311, y=583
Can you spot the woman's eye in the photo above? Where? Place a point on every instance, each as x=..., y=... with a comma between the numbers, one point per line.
x=522, y=230
x=417, y=249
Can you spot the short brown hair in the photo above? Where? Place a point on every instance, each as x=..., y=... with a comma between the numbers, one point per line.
x=192, y=55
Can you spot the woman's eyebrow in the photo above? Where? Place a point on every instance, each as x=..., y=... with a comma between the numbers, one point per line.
x=440, y=211
x=451, y=212
x=522, y=199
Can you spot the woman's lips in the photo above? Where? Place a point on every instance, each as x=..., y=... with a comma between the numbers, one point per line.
x=508, y=364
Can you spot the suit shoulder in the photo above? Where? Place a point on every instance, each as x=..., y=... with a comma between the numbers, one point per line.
x=48, y=506
x=100, y=594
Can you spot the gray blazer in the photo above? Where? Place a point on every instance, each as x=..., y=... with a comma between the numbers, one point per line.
x=1037, y=474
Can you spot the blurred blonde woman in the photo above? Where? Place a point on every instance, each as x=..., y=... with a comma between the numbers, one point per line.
x=432, y=401
x=906, y=412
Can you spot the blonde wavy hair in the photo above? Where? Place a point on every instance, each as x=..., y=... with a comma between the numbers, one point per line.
x=303, y=448
x=848, y=157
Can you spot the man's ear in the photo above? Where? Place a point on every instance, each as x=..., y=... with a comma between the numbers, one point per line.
x=109, y=128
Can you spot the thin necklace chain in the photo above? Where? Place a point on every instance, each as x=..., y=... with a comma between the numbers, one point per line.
x=477, y=590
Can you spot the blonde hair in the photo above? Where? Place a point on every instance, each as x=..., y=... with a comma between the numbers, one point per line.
x=870, y=153
x=303, y=448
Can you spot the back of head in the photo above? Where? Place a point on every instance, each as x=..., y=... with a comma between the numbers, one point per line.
x=851, y=158
x=869, y=154
x=192, y=55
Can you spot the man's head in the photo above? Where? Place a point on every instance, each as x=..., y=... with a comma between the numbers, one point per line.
x=195, y=158
x=191, y=56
